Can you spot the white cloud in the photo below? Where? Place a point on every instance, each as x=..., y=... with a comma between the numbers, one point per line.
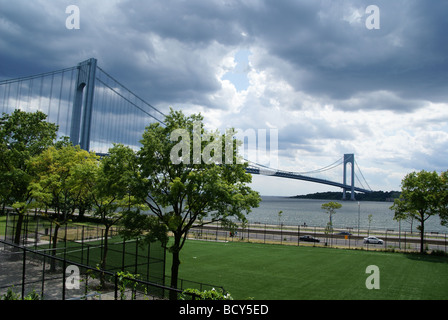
x=314, y=71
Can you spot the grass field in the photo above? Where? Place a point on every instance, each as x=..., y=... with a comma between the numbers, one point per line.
x=268, y=271
x=276, y=272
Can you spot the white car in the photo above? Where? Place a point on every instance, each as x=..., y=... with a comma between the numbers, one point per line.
x=372, y=239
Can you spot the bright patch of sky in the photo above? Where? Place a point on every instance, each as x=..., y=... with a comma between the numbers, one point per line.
x=238, y=76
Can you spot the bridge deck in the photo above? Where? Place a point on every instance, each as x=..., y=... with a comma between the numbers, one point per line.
x=291, y=175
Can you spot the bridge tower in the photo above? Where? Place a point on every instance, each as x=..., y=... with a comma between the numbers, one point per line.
x=349, y=158
x=83, y=104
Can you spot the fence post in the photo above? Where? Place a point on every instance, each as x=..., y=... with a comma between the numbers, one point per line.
x=405, y=249
x=25, y=230
x=63, y=278
x=43, y=278
x=6, y=225
x=23, y=273
x=65, y=236
x=217, y=227
x=281, y=233
x=88, y=255
x=122, y=256
x=116, y=286
x=147, y=261
x=82, y=245
x=50, y=235
x=264, y=235
x=385, y=243
x=136, y=256
x=36, y=230
x=101, y=242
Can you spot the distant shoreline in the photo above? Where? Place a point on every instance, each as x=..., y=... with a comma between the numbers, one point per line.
x=384, y=196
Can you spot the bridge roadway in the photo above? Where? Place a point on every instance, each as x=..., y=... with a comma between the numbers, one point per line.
x=292, y=175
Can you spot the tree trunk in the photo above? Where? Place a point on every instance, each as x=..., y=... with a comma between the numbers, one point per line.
x=19, y=228
x=81, y=213
x=175, y=266
x=55, y=245
x=422, y=235
x=104, y=259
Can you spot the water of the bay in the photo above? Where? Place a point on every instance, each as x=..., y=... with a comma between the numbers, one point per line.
x=300, y=211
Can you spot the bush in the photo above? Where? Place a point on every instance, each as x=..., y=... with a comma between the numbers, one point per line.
x=11, y=295
x=207, y=294
x=439, y=253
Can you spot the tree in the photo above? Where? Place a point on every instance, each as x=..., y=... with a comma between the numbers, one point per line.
x=23, y=135
x=331, y=208
x=444, y=199
x=182, y=188
x=57, y=185
x=112, y=189
x=423, y=194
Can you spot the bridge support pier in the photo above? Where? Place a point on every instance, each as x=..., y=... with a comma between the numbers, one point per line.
x=349, y=158
x=83, y=104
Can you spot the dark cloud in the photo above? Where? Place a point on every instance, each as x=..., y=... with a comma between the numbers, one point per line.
x=407, y=55
x=380, y=100
x=330, y=54
x=196, y=22
x=304, y=55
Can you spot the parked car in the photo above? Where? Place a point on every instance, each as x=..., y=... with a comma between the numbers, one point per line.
x=344, y=233
x=372, y=239
x=309, y=239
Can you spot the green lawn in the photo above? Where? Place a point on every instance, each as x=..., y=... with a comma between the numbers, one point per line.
x=2, y=225
x=262, y=271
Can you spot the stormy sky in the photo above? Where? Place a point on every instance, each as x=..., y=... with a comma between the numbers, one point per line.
x=310, y=69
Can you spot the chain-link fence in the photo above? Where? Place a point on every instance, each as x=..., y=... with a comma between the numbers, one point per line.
x=322, y=236
x=87, y=245
x=35, y=274
x=84, y=246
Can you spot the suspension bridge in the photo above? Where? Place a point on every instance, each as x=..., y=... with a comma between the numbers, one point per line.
x=95, y=110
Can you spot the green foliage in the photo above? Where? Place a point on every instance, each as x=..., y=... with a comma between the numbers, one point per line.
x=23, y=135
x=183, y=189
x=126, y=280
x=423, y=194
x=180, y=194
x=59, y=178
x=331, y=207
x=444, y=198
x=137, y=225
x=11, y=295
x=62, y=177
x=206, y=294
x=117, y=178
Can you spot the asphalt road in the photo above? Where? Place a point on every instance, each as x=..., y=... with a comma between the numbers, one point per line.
x=269, y=234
